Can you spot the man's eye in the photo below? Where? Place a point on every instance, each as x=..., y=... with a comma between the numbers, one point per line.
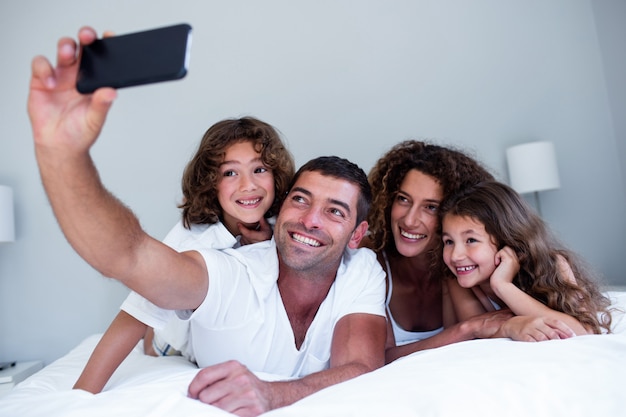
x=336, y=212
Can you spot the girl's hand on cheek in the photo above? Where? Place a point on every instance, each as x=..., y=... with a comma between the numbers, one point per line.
x=507, y=267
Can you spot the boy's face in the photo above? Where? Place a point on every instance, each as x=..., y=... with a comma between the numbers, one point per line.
x=246, y=188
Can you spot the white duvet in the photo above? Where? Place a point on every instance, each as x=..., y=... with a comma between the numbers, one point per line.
x=582, y=376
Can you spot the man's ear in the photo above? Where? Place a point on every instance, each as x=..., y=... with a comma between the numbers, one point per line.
x=357, y=235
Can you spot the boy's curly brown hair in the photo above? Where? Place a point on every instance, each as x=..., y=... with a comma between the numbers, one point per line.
x=200, y=204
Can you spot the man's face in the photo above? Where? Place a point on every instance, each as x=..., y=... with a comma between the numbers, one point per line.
x=316, y=223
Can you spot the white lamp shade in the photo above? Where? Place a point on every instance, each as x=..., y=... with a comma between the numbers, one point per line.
x=533, y=167
x=7, y=220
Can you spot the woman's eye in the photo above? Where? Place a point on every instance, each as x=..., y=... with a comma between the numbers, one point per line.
x=260, y=170
x=447, y=242
x=229, y=173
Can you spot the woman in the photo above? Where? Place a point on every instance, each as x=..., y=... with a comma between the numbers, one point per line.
x=409, y=183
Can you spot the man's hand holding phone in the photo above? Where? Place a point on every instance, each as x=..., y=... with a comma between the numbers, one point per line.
x=138, y=58
x=60, y=116
x=63, y=117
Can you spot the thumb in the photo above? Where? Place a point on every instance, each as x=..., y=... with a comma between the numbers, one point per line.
x=101, y=102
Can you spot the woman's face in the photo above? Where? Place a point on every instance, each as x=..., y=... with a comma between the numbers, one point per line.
x=414, y=213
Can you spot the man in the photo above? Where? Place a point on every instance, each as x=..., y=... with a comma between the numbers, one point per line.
x=297, y=287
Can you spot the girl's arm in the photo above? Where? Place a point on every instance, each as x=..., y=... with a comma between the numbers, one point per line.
x=449, y=314
x=117, y=342
x=518, y=301
x=465, y=303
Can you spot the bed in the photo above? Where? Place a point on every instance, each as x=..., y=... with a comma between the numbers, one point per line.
x=582, y=376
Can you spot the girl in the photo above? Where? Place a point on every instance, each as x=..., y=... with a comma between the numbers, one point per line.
x=496, y=245
x=231, y=187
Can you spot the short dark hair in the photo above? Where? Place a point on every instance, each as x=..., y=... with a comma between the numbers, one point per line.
x=343, y=169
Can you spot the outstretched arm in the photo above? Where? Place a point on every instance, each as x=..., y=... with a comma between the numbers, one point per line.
x=115, y=345
x=357, y=348
x=101, y=229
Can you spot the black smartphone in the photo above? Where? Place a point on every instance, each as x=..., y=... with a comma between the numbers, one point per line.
x=150, y=56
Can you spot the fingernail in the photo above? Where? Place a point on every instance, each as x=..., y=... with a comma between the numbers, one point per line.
x=67, y=49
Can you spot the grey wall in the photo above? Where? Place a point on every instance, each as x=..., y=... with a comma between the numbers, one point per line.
x=350, y=78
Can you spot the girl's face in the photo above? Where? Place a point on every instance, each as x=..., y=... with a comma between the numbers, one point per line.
x=468, y=250
x=414, y=213
x=245, y=190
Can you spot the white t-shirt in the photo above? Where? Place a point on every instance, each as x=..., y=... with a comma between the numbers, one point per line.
x=167, y=326
x=243, y=317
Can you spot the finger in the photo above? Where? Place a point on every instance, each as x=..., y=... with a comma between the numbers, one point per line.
x=237, y=394
x=208, y=376
x=263, y=224
x=99, y=108
x=66, y=52
x=562, y=329
x=42, y=72
x=553, y=330
x=217, y=394
x=87, y=35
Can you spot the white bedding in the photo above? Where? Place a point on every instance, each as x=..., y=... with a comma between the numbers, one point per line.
x=582, y=376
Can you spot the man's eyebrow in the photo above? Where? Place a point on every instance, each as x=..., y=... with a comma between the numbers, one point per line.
x=343, y=204
x=340, y=203
x=300, y=190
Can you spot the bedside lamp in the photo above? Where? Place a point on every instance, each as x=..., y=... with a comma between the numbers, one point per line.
x=7, y=219
x=533, y=168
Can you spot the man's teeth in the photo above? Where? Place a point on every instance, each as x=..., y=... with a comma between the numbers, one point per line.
x=465, y=268
x=305, y=240
x=249, y=202
x=411, y=235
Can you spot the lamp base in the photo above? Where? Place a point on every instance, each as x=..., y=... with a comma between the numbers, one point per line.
x=537, y=204
x=6, y=365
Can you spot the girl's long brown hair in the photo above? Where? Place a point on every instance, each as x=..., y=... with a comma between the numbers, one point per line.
x=510, y=221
